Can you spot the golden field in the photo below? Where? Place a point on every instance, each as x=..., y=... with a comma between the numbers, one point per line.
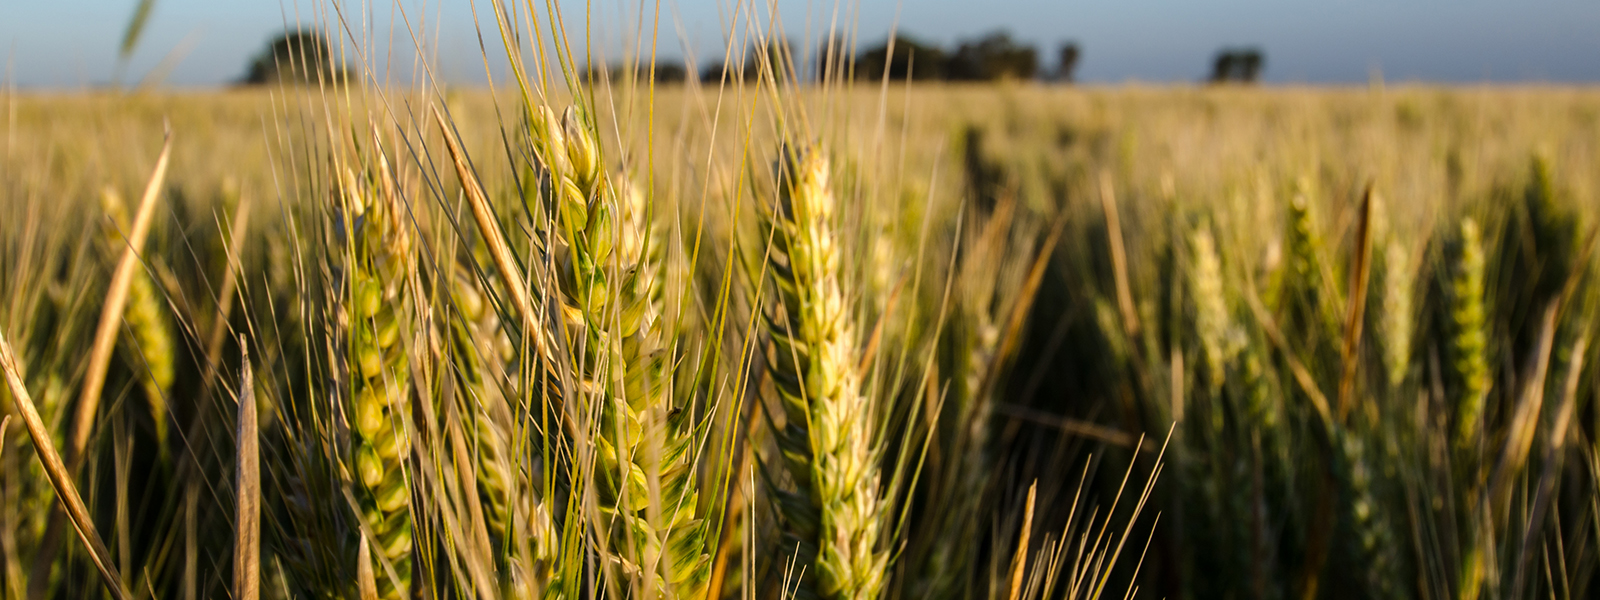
x=868, y=341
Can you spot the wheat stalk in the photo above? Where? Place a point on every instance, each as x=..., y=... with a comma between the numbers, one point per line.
x=827, y=437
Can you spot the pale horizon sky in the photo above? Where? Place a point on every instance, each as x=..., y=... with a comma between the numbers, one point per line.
x=73, y=43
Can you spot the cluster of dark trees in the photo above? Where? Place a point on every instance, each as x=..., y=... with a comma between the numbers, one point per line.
x=1237, y=65
x=305, y=56
x=297, y=56
x=992, y=57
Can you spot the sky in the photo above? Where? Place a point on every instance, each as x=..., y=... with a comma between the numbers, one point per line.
x=74, y=43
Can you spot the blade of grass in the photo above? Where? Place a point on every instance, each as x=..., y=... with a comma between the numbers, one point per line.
x=498, y=249
x=1555, y=448
x=105, y=337
x=1019, y=564
x=1119, y=257
x=1525, y=418
x=1075, y=427
x=1302, y=375
x=1357, y=306
x=60, y=477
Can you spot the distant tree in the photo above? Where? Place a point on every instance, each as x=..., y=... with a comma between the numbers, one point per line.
x=994, y=56
x=1067, y=64
x=713, y=72
x=1237, y=65
x=298, y=56
x=912, y=60
x=1221, y=67
x=1251, y=62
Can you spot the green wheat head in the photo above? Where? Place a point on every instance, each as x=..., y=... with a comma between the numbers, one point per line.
x=611, y=305
x=378, y=317
x=832, y=516
x=1469, y=335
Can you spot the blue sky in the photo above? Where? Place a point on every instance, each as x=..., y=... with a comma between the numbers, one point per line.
x=70, y=43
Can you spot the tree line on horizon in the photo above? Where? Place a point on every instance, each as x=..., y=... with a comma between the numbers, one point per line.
x=305, y=55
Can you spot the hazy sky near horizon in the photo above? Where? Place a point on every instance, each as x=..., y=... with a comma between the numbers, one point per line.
x=73, y=43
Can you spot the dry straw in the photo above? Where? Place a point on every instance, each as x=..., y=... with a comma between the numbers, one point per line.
x=60, y=476
x=247, y=487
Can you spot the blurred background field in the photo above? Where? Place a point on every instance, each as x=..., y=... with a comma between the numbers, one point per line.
x=1424, y=147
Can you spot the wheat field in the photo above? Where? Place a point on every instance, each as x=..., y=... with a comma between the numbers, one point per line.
x=765, y=340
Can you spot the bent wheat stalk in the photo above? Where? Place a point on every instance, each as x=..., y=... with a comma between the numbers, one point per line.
x=60, y=476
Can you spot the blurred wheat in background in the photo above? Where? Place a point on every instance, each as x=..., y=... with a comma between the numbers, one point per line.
x=754, y=337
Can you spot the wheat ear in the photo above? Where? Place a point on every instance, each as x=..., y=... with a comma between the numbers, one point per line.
x=1469, y=336
x=612, y=306
x=1397, y=317
x=380, y=381
x=1220, y=340
x=827, y=437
